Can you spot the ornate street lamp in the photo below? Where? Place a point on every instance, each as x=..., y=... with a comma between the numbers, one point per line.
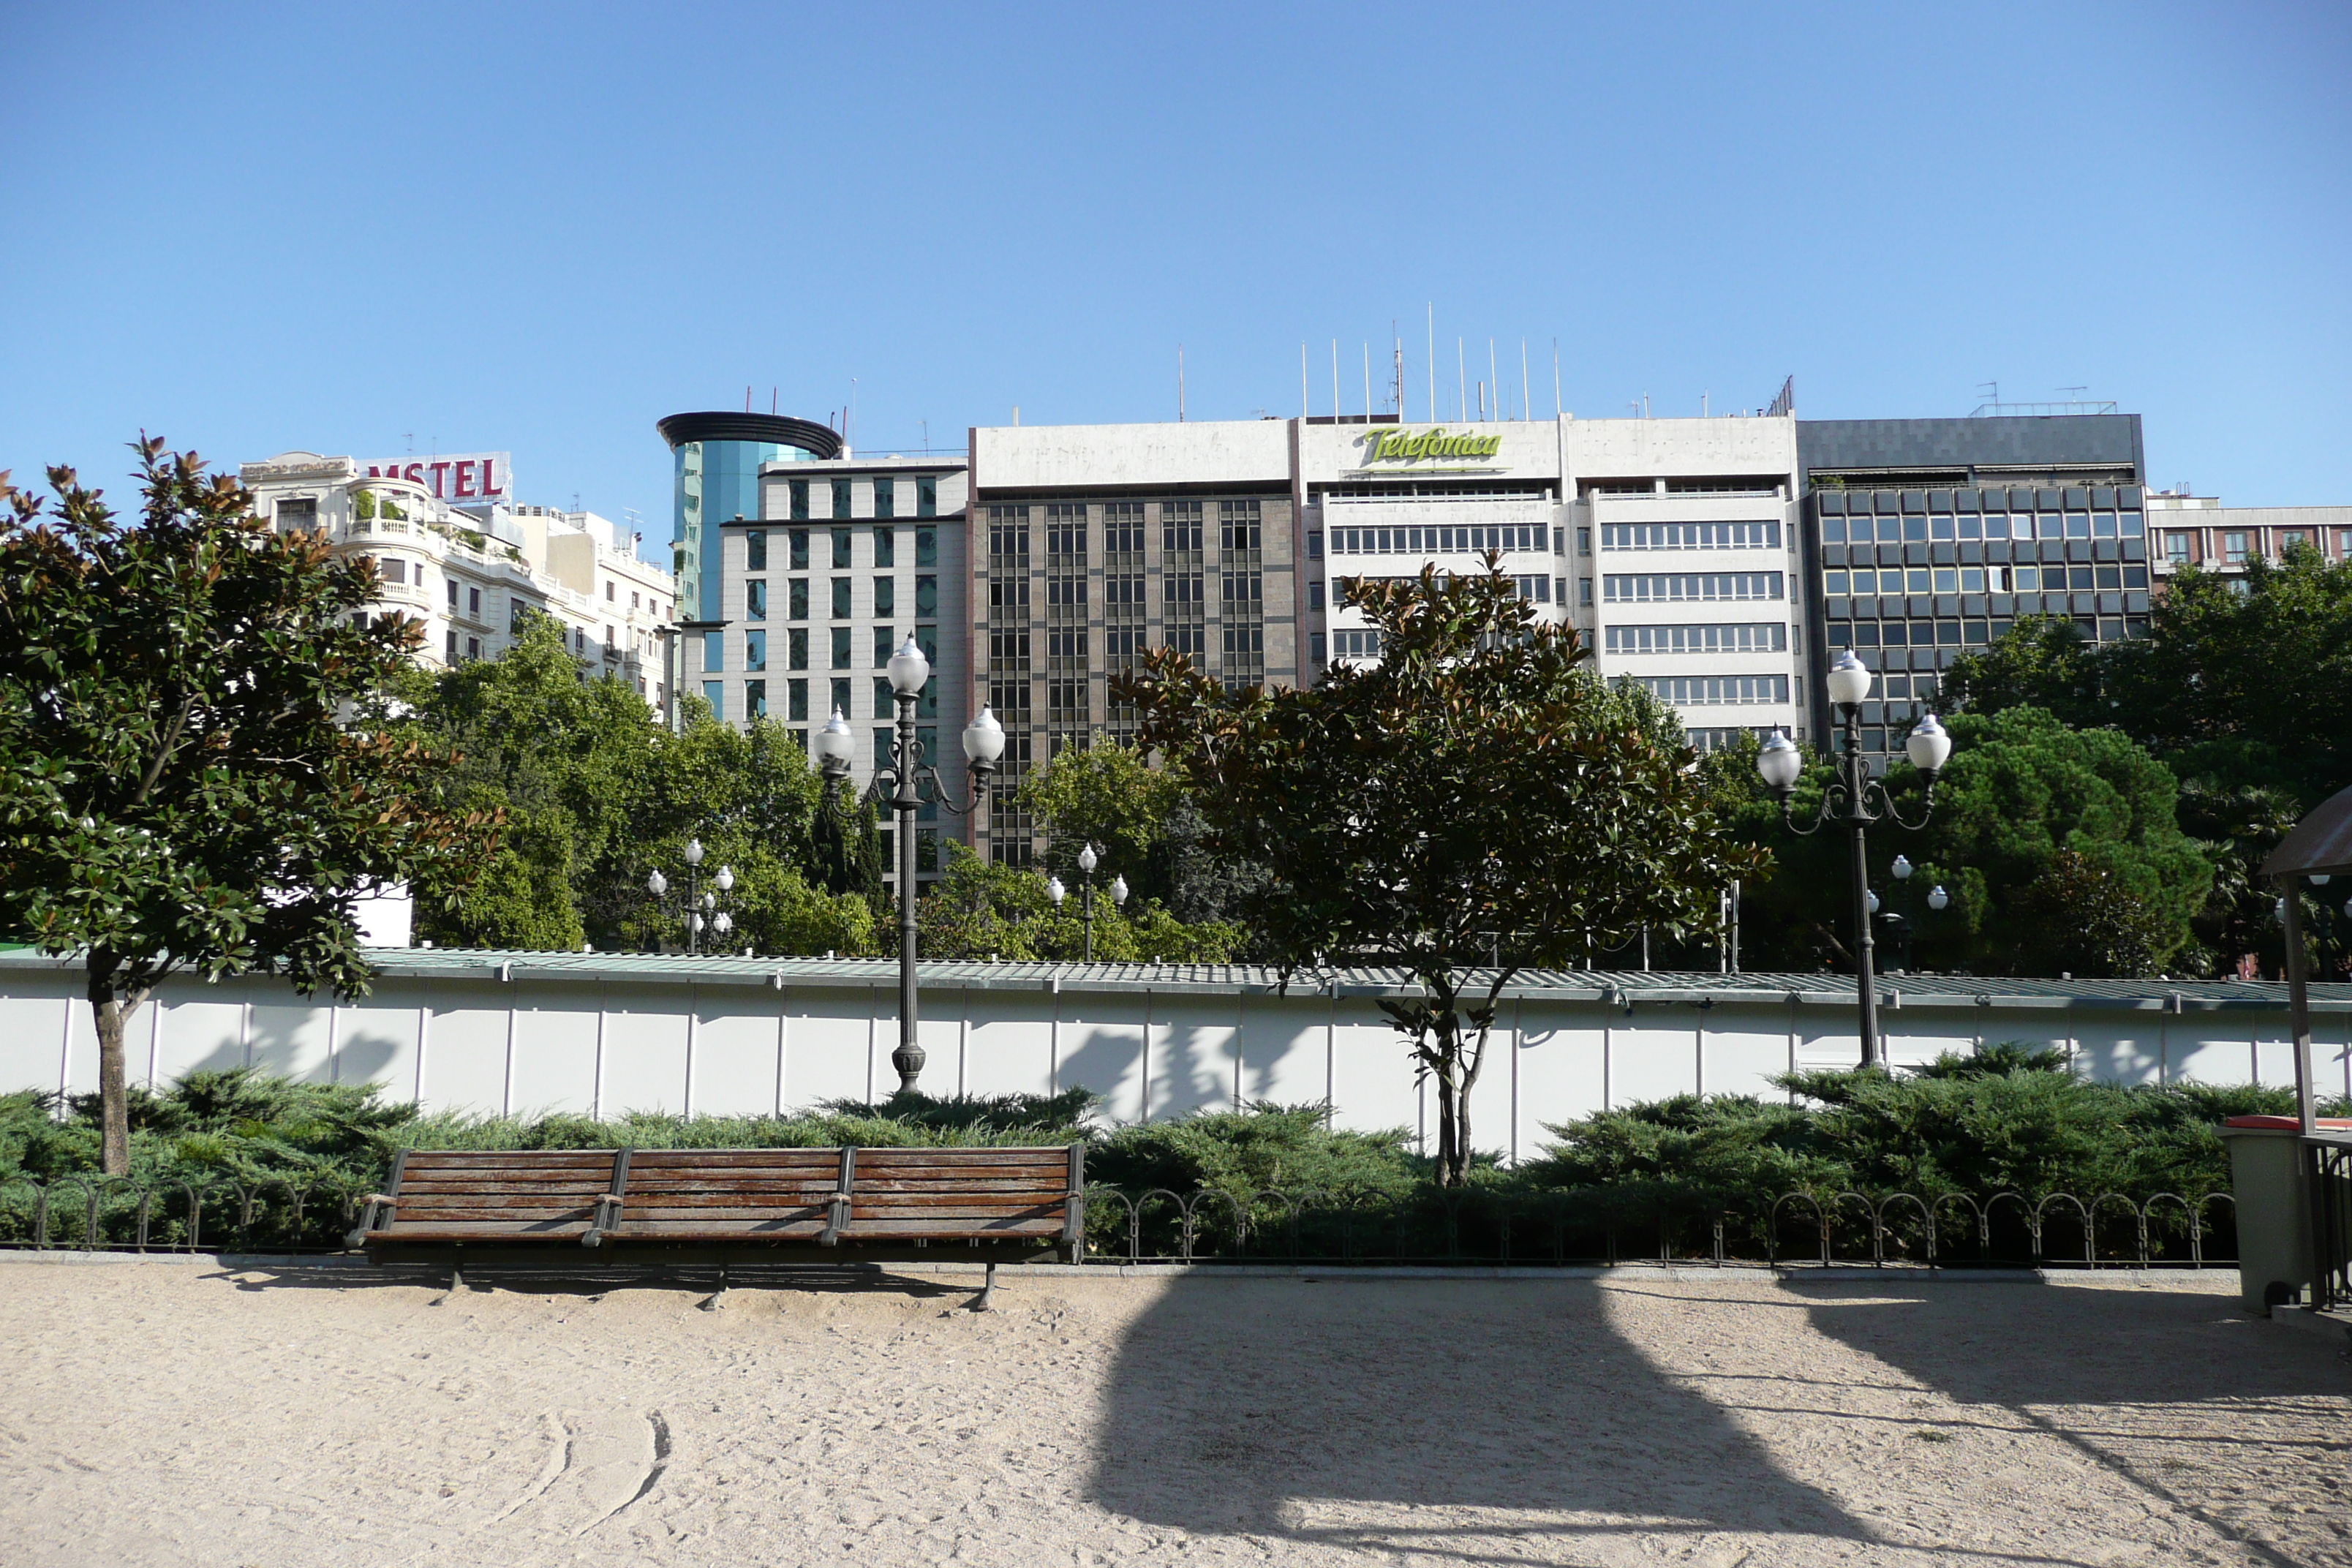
x=700, y=911
x=906, y=787
x=1055, y=893
x=1854, y=799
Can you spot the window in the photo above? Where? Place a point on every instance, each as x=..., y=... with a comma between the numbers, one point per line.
x=885, y=499
x=800, y=512
x=1315, y=594
x=1584, y=590
x=755, y=554
x=796, y=702
x=840, y=500
x=714, y=652
x=397, y=572
x=885, y=700
x=1584, y=541
x=796, y=648
x=634, y=602
x=715, y=693
x=2109, y=576
x=800, y=544
x=1065, y=529
x=1561, y=589
x=842, y=550
x=1738, y=637
x=451, y=584
x=926, y=547
x=1690, y=536
x=1433, y=540
x=1667, y=587
x=515, y=610
x=1315, y=544
x=1318, y=641
x=1718, y=689
x=2233, y=549
x=1356, y=644
x=886, y=547
x=1239, y=525
x=474, y=599
x=841, y=648
x=927, y=496
x=755, y=599
x=1947, y=579
x=883, y=643
x=755, y=699
x=841, y=698
x=927, y=598
x=2175, y=549
x=1179, y=527
x=841, y=598
x=886, y=596
x=798, y=601
x=1835, y=583
x=1537, y=589
x=1179, y=588
x=755, y=651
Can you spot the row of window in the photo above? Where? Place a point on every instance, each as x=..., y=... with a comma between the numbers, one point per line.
x=1240, y=528
x=886, y=497
x=1672, y=587
x=1764, y=535
x=1181, y=592
x=1915, y=529
x=1715, y=690
x=1739, y=636
x=796, y=648
x=2017, y=579
x=796, y=597
x=843, y=542
x=1436, y=541
x=2180, y=549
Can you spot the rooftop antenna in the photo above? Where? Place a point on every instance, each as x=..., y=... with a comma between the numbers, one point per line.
x=1462, y=388
x=1335, y=381
x=1493, y=379
x=1396, y=344
x=1990, y=391
x=1557, y=403
x=926, y=437
x=1303, y=409
x=747, y=400
x=1702, y=404
x=1526, y=403
x=1433, y=364
x=2077, y=391
x=1179, y=383
x=1367, y=381
x=773, y=393
x=410, y=436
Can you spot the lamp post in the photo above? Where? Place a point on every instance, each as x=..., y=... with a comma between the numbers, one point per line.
x=701, y=910
x=1902, y=870
x=1854, y=800
x=906, y=787
x=1055, y=893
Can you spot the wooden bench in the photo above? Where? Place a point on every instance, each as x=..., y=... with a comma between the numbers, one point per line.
x=699, y=1206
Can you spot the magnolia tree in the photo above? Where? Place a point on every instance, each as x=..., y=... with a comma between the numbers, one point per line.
x=196, y=770
x=1476, y=803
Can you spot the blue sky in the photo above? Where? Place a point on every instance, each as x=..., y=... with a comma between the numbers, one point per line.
x=538, y=229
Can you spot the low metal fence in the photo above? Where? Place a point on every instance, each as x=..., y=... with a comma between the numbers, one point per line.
x=244, y=1214
x=1468, y=1225
x=2331, y=1222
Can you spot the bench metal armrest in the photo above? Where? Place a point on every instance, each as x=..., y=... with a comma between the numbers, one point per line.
x=377, y=1204
x=607, y=1218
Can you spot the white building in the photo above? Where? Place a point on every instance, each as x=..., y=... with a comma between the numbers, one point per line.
x=470, y=572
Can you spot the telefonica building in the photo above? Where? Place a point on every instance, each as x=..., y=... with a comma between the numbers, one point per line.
x=1669, y=543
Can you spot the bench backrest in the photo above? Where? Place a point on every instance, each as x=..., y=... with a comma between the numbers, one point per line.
x=921, y=1193
x=499, y=1191
x=782, y=1193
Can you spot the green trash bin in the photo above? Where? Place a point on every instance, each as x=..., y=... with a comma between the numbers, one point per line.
x=2273, y=1208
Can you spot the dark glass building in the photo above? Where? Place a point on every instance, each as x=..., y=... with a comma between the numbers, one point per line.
x=1925, y=538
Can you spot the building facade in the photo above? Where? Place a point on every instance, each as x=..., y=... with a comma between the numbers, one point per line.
x=2200, y=531
x=1925, y=539
x=470, y=575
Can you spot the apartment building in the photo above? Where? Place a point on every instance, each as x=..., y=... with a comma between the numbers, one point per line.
x=2200, y=531
x=470, y=574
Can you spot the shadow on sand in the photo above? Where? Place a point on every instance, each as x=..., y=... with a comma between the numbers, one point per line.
x=1468, y=1422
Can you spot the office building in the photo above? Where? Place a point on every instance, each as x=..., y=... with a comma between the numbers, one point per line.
x=1925, y=539
x=471, y=573
x=2200, y=531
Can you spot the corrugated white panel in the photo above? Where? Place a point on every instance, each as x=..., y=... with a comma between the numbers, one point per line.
x=1746, y=1048
x=201, y=1026
x=1281, y=1044
x=1654, y=1055
x=1103, y=1050
x=376, y=1042
x=466, y=1059
x=554, y=1049
x=1193, y=1054
x=32, y=1022
x=291, y=1038
x=645, y=1049
x=735, y=1058
x=1008, y=1047
x=1372, y=1073
x=1561, y=1072
x=827, y=1049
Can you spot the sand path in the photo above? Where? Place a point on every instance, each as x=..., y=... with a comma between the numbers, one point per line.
x=160, y=1415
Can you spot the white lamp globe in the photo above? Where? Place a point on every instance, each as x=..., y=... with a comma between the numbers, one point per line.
x=1849, y=680
x=1902, y=869
x=1118, y=890
x=1055, y=891
x=1937, y=897
x=835, y=743
x=908, y=668
x=1779, y=762
x=725, y=881
x=657, y=884
x=1874, y=902
x=1929, y=746
x=723, y=923
x=694, y=851
x=1087, y=861
x=983, y=738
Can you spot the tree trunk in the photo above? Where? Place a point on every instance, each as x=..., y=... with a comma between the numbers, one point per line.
x=112, y=1011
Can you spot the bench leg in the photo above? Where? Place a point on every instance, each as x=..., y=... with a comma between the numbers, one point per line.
x=986, y=1301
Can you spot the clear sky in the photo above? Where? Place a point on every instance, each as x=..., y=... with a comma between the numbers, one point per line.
x=349, y=228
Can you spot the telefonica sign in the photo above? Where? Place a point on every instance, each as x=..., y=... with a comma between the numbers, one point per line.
x=1400, y=447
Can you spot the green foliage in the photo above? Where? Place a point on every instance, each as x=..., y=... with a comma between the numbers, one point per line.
x=1145, y=823
x=1478, y=800
x=197, y=769
x=981, y=908
x=599, y=795
x=1243, y=1152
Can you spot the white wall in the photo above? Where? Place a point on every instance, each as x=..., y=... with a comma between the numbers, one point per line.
x=1153, y=1043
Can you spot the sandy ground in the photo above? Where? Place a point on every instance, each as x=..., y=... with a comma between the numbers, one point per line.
x=178, y=1415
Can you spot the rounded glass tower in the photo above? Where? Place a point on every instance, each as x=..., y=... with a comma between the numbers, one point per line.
x=717, y=459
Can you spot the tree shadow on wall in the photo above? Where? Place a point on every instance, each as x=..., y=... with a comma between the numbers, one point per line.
x=1457, y=1421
